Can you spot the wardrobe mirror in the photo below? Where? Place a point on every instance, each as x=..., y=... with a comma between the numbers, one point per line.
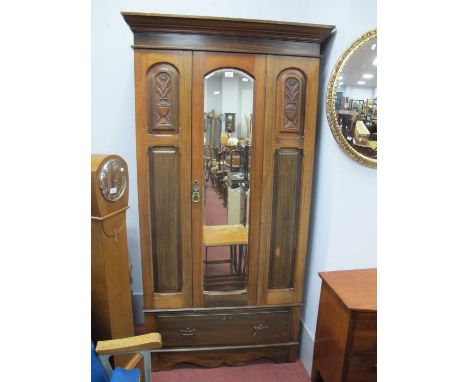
x=352, y=100
x=228, y=107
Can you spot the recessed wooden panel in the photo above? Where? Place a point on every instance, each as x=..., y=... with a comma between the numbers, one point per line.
x=286, y=198
x=165, y=212
x=290, y=98
x=163, y=96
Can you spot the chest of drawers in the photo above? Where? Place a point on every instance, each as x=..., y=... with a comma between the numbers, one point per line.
x=346, y=336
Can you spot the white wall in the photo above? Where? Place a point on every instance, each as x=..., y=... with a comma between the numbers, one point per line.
x=343, y=227
x=359, y=92
x=213, y=101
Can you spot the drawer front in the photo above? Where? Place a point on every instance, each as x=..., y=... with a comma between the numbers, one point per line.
x=214, y=329
x=362, y=368
x=365, y=333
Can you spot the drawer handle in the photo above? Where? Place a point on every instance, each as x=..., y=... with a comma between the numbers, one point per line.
x=258, y=328
x=187, y=331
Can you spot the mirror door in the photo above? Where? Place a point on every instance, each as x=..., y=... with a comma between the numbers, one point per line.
x=227, y=135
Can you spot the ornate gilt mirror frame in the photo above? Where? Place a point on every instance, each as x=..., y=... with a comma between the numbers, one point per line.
x=330, y=105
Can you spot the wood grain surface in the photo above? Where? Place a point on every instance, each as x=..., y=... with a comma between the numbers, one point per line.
x=357, y=289
x=223, y=26
x=215, y=235
x=345, y=347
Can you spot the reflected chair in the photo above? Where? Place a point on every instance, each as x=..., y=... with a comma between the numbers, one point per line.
x=221, y=170
x=140, y=346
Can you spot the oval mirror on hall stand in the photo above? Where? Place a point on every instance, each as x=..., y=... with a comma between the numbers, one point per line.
x=352, y=100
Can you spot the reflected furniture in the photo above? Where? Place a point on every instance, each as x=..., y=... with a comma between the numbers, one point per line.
x=111, y=302
x=174, y=56
x=229, y=122
x=236, y=237
x=347, y=119
x=138, y=346
x=345, y=347
x=361, y=134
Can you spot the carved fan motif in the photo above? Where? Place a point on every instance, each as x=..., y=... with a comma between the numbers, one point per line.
x=291, y=95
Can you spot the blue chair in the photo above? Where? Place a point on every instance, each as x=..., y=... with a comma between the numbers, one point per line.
x=141, y=346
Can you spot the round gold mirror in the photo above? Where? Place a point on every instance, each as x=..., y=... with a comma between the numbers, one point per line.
x=352, y=100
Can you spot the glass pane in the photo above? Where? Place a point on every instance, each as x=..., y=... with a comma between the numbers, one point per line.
x=228, y=106
x=356, y=100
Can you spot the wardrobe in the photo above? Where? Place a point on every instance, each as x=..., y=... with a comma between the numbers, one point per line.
x=224, y=290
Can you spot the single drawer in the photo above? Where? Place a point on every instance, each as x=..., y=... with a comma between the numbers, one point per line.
x=365, y=333
x=361, y=368
x=214, y=329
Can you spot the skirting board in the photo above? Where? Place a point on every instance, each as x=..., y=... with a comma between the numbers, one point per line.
x=137, y=304
x=306, y=349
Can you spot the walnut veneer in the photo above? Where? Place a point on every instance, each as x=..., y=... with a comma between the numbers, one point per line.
x=173, y=55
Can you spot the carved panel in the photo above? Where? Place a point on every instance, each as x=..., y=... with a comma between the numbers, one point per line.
x=290, y=102
x=165, y=222
x=163, y=96
x=285, y=211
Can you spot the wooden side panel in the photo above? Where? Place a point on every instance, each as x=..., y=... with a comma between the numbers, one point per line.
x=100, y=321
x=163, y=95
x=288, y=158
x=364, y=339
x=286, y=194
x=331, y=337
x=362, y=368
x=111, y=301
x=165, y=218
x=163, y=138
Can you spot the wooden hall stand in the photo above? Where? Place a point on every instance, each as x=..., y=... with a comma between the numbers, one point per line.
x=345, y=347
x=173, y=56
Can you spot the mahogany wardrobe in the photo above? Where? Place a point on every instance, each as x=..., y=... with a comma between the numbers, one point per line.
x=225, y=135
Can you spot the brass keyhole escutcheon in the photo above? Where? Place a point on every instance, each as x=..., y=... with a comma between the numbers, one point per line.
x=195, y=192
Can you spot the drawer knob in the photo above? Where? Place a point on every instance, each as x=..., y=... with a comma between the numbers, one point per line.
x=187, y=331
x=258, y=328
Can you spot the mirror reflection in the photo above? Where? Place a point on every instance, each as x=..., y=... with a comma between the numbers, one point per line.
x=356, y=100
x=228, y=107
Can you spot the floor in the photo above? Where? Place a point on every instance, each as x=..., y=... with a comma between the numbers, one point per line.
x=254, y=372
